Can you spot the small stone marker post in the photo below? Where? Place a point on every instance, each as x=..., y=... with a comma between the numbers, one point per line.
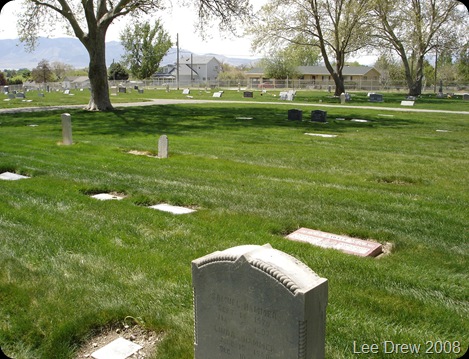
x=342, y=98
x=163, y=147
x=257, y=302
x=66, y=129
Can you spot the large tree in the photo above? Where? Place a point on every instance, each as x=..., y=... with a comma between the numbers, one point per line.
x=337, y=27
x=414, y=28
x=42, y=73
x=145, y=45
x=89, y=20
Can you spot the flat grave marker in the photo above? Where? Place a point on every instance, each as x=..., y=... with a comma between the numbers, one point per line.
x=9, y=176
x=407, y=103
x=320, y=135
x=172, y=209
x=218, y=94
x=257, y=302
x=106, y=196
x=186, y=91
x=345, y=244
x=118, y=349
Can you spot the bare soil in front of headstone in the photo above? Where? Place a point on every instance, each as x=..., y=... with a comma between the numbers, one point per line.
x=149, y=340
x=142, y=153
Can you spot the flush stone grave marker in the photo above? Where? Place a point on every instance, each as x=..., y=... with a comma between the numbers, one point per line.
x=257, y=302
x=407, y=103
x=9, y=176
x=345, y=244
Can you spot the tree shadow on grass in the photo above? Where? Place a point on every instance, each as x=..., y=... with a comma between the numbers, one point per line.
x=183, y=119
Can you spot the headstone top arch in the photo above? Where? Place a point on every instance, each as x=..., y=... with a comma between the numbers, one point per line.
x=255, y=301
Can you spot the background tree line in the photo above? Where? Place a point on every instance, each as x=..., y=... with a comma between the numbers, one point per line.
x=407, y=31
x=404, y=32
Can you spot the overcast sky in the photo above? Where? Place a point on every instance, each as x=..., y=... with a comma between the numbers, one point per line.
x=179, y=20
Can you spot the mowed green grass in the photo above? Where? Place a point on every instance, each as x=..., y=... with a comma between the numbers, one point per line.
x=313, y=97
x=70, y=264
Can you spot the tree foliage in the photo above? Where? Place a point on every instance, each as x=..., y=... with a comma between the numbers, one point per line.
x=42, y=73
x=60, y=69
x=144, y=45
x=3, y=80
x=463, y=63
x=414, y=28
x=232, y=73
x=117, y=72
x=338, y=28
x=89, y=20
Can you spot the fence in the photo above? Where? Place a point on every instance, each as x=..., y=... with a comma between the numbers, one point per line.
x=360, y=85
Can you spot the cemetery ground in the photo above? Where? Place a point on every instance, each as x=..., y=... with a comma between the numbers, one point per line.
x=72, y=266
x=391, y=99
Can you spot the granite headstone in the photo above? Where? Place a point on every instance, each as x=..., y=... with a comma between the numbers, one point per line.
x=257, y=302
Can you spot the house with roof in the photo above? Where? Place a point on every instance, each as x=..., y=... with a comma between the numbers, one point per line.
x=75, y=82
x=192, y=69
x=359, y=76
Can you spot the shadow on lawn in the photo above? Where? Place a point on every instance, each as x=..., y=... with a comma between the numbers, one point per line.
x=180, y=119
x=174, y=119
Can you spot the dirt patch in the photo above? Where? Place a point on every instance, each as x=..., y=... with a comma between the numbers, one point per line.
x=387, y=249
x=149, y=340
x=143, y=153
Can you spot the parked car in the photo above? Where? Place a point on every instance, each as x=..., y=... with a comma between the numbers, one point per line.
x=265, y=85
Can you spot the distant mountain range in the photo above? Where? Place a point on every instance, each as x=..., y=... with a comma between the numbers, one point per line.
x=70, y=51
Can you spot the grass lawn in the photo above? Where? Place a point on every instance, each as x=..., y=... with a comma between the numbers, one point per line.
x=70, y=264
x=316, y=97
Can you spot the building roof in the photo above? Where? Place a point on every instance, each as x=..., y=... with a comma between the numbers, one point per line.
x=76, y=79
x=197, y=59
x=322, y=70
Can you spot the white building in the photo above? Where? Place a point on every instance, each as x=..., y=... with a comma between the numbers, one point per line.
x=76, y=82
x=192, y=70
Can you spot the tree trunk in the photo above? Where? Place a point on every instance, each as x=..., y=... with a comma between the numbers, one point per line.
x=415, y=87
x=339, y=84
x=100, y=99
x=414, y=83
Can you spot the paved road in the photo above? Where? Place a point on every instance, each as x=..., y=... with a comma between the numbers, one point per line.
x=192, y=101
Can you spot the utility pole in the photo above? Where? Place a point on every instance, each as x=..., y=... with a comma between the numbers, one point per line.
x=436, y=65
x=177, y=63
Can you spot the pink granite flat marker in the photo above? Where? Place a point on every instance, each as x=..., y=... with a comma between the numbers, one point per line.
x=345, y=244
